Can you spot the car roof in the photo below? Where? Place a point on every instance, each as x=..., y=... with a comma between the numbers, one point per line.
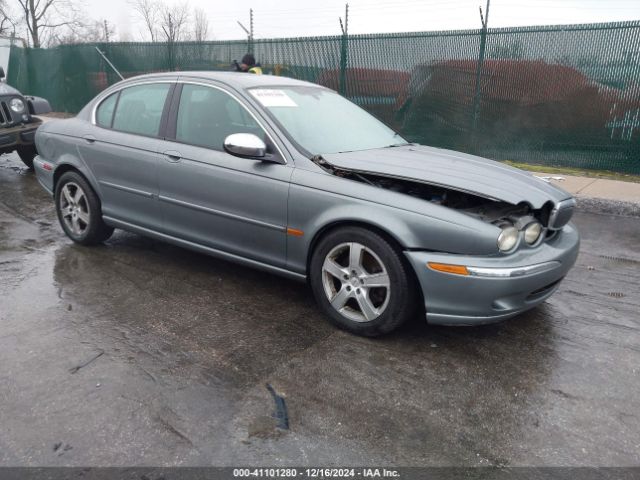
x=238, y=79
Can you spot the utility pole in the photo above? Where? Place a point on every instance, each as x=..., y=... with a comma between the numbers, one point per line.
x=106, y=31
x=248, y=31
x=344, y=52
x=476, y=98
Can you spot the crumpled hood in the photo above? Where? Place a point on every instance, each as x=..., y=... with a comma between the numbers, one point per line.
x=456, y=170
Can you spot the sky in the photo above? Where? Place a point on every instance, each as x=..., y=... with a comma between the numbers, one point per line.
x=294, y=18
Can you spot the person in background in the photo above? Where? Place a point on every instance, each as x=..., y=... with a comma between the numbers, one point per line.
x=249, y=65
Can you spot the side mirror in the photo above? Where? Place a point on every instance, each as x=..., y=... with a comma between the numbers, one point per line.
x=245, y=145
x=2, y=75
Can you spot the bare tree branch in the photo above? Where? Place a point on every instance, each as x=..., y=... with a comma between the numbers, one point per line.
x=93, y=32
x=200, y=25
x=7, y=23
x=149, y=10
x=173, y=21
x=44, y=18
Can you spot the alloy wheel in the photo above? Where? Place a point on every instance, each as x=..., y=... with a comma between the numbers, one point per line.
x=74, y=208
x=356, y=282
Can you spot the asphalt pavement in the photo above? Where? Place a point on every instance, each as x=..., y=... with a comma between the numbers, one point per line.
x=141, y=353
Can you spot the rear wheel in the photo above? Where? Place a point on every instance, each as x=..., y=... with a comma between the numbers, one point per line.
x=27, y=154
x=361, y=282
x=79, y=210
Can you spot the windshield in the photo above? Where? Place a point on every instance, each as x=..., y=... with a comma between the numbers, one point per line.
x=321, y=121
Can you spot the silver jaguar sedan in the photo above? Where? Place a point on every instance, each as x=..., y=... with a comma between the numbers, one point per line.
x=292, y=178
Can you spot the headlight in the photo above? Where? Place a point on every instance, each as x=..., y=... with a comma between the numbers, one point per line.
x=507, y=239
x=17, y=105
x=532, y=233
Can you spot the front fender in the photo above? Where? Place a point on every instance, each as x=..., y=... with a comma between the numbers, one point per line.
x=313, y=209
x=38, y=105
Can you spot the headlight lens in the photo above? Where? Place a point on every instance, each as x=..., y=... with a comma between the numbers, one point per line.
x=507, y=239
x=532, y=233
x=17, y=105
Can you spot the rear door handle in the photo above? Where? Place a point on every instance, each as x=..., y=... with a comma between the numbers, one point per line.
x=173, y=156
x=90, y=138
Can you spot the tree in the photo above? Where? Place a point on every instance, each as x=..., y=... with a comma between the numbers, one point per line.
x=149, y=10
x=7, y=25
x=173, y=21
x=93, y=32
x=200, y=25
x=45, y=16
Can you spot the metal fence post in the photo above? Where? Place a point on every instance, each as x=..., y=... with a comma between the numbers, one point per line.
x=476, y=96
x=342, y=89
x=344, y=52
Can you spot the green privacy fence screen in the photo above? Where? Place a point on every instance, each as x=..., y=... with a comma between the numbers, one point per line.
x=562, y=95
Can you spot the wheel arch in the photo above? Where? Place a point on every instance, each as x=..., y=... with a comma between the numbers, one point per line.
x=65, y=167
x=338, y=224
x=387, y=236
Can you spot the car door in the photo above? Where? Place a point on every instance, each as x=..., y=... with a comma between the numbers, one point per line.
x=121, y=151
x=237, y=205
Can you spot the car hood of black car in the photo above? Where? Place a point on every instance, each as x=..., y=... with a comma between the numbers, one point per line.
x=8, y=90
x=455, y=170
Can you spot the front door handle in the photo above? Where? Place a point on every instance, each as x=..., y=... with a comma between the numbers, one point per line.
x=173, y=156
x=90, y=138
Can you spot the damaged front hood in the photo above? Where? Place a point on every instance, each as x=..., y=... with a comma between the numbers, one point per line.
x=455, y=170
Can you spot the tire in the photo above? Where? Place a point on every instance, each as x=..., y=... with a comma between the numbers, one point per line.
x=27, y=154
x=361, y=309
x=79, y=211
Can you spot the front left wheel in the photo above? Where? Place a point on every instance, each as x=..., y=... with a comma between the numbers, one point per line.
x=79, y=210
x=361, y=281
x=27, y=154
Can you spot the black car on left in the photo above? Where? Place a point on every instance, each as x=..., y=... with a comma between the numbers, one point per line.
x=18, y=124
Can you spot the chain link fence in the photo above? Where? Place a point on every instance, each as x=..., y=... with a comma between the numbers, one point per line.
x=562, y=95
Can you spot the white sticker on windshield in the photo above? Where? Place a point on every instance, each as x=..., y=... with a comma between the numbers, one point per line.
x=273, y=98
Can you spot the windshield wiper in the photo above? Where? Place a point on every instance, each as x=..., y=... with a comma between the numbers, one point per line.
x=398, y=145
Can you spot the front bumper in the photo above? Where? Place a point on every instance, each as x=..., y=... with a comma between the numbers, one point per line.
x=452, y=299
x=23, y=134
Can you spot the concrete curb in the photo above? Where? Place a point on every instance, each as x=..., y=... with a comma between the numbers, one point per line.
x=608, y=207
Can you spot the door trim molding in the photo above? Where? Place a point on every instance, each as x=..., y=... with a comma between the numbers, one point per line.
x=135, y=191
x=219, y=213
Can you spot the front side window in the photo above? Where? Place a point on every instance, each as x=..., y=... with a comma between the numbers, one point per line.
x=140, y=109
x=206, y=116
x=104, y=113
x=321, y=121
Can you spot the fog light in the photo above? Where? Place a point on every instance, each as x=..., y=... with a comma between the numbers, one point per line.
x=532, y=233
x=507, y=239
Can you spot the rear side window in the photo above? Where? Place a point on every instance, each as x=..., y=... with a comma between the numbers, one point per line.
x=104, y=114
x=140, y=109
